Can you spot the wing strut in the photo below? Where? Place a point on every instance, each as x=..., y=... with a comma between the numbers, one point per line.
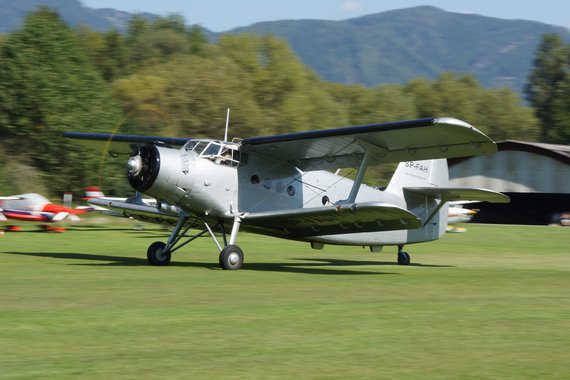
x=434, y=212
x=357, y=181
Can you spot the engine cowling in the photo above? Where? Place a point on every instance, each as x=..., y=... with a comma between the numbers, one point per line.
x=157, y=171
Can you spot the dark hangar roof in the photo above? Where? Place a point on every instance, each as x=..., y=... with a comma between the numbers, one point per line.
x=555, y=151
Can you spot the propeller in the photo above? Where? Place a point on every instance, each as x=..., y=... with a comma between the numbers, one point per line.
x=143, y=167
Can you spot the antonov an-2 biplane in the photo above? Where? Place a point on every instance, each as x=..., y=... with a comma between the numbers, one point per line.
x=284, y=186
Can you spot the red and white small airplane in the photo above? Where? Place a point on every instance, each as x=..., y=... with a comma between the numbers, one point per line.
x=33, y=207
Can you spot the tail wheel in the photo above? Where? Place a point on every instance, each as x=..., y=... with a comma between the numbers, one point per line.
x=157, y=255
x=403, y=258
x=231, y=257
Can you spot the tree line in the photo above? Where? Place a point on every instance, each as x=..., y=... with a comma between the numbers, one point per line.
x=164, y=78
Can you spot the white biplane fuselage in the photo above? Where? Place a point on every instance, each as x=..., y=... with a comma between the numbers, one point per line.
x=201, y=179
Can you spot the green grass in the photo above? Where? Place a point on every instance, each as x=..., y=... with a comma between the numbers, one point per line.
x=493, y=302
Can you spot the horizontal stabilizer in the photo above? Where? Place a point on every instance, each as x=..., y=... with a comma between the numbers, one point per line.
x=336, y=219
x=460, y=194
x=60, y=216
x=74, y=218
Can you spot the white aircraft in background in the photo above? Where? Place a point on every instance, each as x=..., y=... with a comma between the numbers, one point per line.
x=459, y=214
x=282, y=186
x=33, y=207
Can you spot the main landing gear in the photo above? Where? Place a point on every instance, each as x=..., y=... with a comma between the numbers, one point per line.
x=403, y=257
x=231, y=256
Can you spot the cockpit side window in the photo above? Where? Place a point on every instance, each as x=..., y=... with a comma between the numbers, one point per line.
x=190, y=145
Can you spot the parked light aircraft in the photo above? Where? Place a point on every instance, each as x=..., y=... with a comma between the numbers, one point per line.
x=34, y=207
x=459, y=214
x=283, y=185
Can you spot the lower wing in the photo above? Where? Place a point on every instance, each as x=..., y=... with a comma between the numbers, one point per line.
x=137, y=209
x=332, y=220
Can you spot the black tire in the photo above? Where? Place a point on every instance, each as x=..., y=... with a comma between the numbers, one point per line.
x=156, y=255
x=231, y=258
x=403, y=258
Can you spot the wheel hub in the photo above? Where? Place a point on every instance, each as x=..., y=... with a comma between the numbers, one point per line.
x=233, y=258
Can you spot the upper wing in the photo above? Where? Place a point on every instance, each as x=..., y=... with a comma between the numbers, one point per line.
x=120, y=144
x=330, y=220
x=461, y=194
x=411, y=140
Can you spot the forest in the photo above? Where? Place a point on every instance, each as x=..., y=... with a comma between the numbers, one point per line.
x=164, y=78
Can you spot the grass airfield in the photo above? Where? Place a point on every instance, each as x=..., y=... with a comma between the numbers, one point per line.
x=493, y=302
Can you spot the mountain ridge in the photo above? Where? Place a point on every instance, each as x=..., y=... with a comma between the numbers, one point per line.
x=394, y=46
x=397, y=46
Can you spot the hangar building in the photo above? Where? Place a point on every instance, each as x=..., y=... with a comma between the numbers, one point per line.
x=536, y=176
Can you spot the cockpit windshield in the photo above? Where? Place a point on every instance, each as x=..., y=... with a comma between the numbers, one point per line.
x=221, y=153
x=195, y=146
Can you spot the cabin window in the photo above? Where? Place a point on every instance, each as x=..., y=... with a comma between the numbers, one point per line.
x=291, y=190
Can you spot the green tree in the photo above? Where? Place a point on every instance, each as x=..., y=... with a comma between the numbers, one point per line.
x=561, y=113
x=153, y=42
x=198, y=41
x=188, y=96
x=291, y=96
x=47, y=86
x=547, y=87
x=501, y=116
x=107, y=52
x=497, y=113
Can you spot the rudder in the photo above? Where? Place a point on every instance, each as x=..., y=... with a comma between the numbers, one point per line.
x=427, y=173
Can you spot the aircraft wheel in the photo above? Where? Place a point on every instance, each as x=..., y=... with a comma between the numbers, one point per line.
x=231, y=257
x=156, y=255
x=403, y=258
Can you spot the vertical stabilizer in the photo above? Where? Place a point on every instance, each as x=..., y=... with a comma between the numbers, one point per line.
x=423, y=174
x=427, y=173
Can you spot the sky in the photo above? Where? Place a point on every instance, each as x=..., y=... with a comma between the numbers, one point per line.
x=223, y=15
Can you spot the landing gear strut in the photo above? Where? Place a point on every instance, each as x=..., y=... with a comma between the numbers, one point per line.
x=231, y=256
x=403, y=257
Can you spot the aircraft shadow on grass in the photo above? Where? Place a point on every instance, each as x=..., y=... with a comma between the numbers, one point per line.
x=307, y=266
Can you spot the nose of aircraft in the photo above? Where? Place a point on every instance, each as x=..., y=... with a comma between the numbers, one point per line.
x=134, y=165
x=143, y=167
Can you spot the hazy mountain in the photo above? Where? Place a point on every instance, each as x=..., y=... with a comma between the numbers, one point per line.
x=387, y=47
x=12, y=14
x=396, y=46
